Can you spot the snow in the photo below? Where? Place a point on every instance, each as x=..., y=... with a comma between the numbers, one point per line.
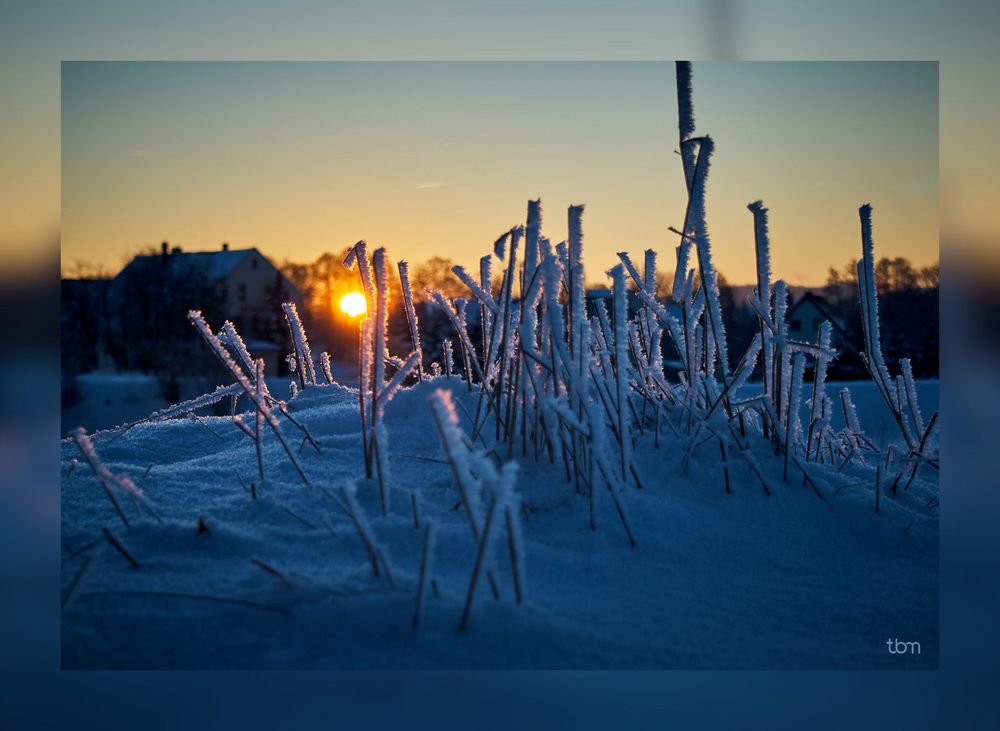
x=105, y=400
x=707, y=584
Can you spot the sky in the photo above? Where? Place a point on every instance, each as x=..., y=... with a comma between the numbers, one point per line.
x=438, y=158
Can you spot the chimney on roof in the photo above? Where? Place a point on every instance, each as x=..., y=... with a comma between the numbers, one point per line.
x=225, y=246
x=164, y=248
x=175, y=250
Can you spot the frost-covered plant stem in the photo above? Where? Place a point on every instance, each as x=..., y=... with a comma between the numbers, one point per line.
x=259, y=417
x=449, y=357
x=499, y=487
x=873, y=358
x=621, y=368
x=380, y=449
x=364, y=384
x=505, y=340
x=411, y=314
x=426, y=557
x=515, y=547
x=359, y=255
x=819, y=388
x=381, y=353
x=324, y=360
x=697, y=224
x=303, y=354
x=794, y=402
x=481, y=549
x=103, y=474
x=685, y=118
x=349, y=504
x=762, y=246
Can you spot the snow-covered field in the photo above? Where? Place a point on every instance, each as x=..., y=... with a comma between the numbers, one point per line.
x=718, y=580
x=109, y=399
x=104, y=400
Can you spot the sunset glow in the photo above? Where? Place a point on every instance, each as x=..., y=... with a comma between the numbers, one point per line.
x=353, y=304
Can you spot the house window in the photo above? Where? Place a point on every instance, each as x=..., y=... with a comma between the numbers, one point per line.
x=253, y=263
x=242, y=292
x=795, y=325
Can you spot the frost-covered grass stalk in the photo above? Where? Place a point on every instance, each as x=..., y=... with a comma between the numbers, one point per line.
x=696, y=224
x=685, y=116
x=306, y=369
x=114, y=485
x=376, y=553
x=621, y=367
x=819, y=406
x=426, y=563
x=325, y=365
x=358, y=255
x=764, y=303
x=411, y=314
x=364, y=386
x=449, y=358
x=899, y=393
x=259, y=417
x=378, y=442
x=794, y=399
x=380, y=351
x=515, y=546
x=499, y=487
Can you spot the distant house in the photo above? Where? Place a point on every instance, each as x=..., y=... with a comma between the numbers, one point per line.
x=240, y=285
x=808, y=313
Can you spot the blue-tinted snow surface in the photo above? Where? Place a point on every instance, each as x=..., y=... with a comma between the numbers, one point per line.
x=717, y=580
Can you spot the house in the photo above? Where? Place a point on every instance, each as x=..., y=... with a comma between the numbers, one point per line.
x=806, y=315
x=240, y=285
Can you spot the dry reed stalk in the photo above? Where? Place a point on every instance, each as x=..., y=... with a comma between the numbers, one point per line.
x=113, y=540
x=425, y=558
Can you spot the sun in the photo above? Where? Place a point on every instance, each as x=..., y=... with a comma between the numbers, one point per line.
x=353, y=304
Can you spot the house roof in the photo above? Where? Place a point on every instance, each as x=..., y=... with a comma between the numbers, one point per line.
x=214, y=265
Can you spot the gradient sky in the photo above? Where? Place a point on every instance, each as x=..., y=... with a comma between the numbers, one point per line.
x=437, y=158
